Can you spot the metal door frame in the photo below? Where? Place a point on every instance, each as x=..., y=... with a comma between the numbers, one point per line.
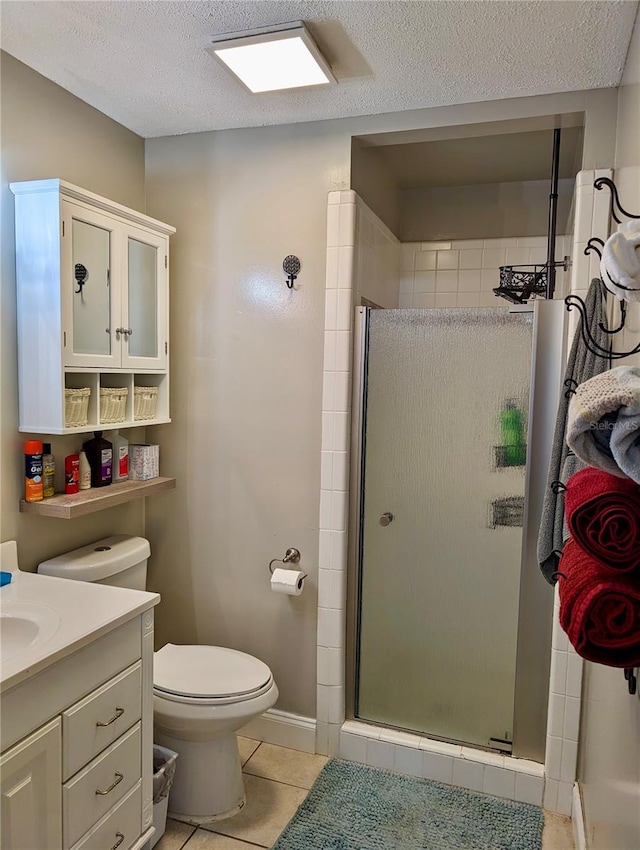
x=533, y=652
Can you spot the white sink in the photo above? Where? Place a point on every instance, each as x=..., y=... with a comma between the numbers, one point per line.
x=24, y=625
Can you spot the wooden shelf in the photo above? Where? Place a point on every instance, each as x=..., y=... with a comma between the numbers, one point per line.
x=66, y=506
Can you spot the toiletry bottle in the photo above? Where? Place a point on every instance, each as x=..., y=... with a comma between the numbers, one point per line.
x=71, y=474
x=48, y=471
x=85, y=472
x=100, y=456
x=120, y=457
x=511, y=426
x=33, y=484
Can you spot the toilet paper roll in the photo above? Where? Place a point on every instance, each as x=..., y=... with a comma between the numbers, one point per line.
x=290, y=582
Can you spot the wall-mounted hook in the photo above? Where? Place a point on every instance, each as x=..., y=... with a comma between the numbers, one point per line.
x=291, y=265
x=615, y=206
x=596, y=245
x=81, y=274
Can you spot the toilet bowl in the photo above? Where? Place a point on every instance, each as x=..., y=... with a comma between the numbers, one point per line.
x=201, y=694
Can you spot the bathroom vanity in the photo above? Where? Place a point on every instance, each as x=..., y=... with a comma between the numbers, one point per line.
x=77, y=714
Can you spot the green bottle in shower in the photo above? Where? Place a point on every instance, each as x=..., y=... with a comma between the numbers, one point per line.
x=512, y=428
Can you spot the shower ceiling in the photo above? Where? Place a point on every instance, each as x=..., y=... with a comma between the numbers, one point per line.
x=479, y=160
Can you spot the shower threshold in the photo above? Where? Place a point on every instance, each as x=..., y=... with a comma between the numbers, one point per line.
x=487, y=771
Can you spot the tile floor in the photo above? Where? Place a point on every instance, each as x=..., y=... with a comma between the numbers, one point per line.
x=277, y=781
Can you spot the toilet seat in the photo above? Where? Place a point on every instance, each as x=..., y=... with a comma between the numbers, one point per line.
x=208, y=675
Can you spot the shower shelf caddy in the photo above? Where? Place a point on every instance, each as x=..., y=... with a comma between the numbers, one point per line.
x=519, y=284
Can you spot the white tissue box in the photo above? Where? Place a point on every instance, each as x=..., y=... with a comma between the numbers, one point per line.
x=144, y=461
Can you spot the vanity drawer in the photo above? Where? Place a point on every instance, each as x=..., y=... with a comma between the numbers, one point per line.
x=119, y=828
x=97, y=720
x=100, y=785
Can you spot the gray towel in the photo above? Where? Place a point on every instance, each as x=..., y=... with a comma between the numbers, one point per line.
x=581, y=365
x=603, y=425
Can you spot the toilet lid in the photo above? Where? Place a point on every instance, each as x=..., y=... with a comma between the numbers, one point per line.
x=208, y=672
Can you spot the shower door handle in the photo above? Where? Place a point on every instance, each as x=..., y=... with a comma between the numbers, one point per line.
x=386, y=519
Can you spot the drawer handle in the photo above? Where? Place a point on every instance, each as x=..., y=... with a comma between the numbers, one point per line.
x=120, y=838
x=118, y=780
x=119, y=713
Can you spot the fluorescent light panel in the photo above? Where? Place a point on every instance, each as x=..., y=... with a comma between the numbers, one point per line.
x=272, y=61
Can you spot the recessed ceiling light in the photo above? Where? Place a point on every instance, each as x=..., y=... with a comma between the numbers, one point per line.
x=282, y=57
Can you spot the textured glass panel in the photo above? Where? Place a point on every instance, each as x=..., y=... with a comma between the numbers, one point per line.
x=440, y=583
x=143, y=297
x=91, y=291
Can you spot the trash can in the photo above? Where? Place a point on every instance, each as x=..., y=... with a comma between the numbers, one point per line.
x=164, y=768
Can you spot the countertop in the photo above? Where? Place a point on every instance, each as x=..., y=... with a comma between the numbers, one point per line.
x=86, y=611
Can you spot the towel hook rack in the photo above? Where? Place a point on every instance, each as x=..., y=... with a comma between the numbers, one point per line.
x=614, y=206
x=596, y=245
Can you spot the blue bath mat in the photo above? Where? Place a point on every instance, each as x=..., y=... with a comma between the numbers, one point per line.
x=353, y=807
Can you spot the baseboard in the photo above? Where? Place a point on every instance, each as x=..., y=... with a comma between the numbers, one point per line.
x=577, y=817
x=283, y=729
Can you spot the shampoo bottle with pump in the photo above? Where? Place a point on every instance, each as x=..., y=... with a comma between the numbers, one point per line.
x=99, y=453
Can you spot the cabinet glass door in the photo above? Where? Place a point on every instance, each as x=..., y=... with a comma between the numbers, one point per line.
x=145, y=319
x=91, y=288
x=90, y=262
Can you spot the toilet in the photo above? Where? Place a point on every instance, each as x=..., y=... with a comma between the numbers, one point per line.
x=201, y=694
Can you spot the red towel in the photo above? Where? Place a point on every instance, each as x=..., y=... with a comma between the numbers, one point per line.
x=603, y=515
x=599, y=611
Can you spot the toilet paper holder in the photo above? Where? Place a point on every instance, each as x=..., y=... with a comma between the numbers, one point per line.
x=291, y=556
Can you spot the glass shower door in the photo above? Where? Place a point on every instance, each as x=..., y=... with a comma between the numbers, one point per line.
x=441, y=517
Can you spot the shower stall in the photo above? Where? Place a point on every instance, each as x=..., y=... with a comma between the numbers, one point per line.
x=449, y=624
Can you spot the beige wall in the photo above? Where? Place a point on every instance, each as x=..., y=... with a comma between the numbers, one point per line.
x=247, y=361
x=489, y=211
x=46, y=132
x=609, y=767
x=371, y=180
x=246, y=388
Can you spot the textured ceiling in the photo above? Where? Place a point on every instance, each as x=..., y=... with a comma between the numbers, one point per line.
x=144, y=63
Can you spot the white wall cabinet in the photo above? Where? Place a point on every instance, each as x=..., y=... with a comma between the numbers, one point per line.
x=92, y=298
x=82, y=781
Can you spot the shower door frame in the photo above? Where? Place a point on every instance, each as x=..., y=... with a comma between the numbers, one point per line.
x=534, y=627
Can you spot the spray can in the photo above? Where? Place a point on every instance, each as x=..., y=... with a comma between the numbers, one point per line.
x=71, y=474
x=33, y=483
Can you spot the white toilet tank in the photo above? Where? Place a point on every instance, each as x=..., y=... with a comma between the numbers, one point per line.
x=119, y=560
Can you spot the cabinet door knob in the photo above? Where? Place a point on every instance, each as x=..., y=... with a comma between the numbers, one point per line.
x=386, y=519
x=119, y=713
x=117, y=781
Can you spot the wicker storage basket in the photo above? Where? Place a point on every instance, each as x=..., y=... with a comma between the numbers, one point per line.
x=76, y=407
x=113, y=404
x=144, y=402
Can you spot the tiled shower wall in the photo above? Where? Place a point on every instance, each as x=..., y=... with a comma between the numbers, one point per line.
x=565, y=689
x=463, y=273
